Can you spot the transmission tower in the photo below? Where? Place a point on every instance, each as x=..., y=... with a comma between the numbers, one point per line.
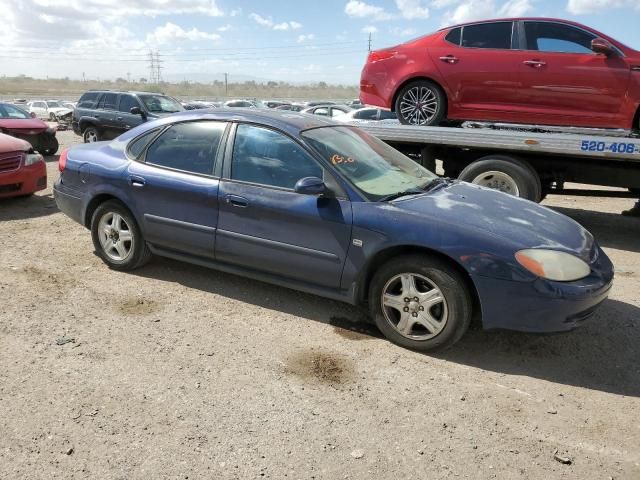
x=155, y=67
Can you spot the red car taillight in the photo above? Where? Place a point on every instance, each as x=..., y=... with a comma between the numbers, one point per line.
x=62, y=161
x=378, y=55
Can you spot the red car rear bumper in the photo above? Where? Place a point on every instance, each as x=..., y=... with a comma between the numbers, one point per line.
x=24, y=180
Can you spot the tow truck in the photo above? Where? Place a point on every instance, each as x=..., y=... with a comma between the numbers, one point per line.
x=528, y=161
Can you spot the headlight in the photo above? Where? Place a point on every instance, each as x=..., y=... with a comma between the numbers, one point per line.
x=31, y=158
x=553, y=265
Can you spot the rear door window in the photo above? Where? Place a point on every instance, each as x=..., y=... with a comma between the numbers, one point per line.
x=108, y=101
x=190, y=147
x=496, y=35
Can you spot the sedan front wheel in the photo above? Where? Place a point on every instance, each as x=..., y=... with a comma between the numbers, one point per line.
x=420, y=302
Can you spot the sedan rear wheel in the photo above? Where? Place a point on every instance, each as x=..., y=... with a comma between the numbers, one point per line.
x=420, y=103
x=420, y=302
x=117, y=238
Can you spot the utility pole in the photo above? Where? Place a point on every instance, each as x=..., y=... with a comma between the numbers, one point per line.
x=128, y=77
x=226, y=84
x=369, y=41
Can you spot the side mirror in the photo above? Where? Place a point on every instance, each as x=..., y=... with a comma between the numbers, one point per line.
x=135, y=111
x=600, y=45
x=33, y=114
x=310, y=186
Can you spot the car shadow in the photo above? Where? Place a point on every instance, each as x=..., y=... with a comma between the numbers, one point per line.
x=610, y=229
x=601, y=355
x=23, y=208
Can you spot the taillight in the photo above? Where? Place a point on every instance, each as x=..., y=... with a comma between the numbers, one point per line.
x=62, y=160
x=378, y=55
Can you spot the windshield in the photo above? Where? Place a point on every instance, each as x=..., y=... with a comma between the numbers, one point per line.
x=375, y=168
x=9, y=111
x=53, y=105
x=160, y=104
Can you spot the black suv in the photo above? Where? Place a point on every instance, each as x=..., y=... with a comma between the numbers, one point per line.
x=105, y=114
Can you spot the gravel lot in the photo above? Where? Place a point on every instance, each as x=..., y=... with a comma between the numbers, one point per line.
x=176, y=371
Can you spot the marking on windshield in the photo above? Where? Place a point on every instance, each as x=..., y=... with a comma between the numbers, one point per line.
x=338, y=159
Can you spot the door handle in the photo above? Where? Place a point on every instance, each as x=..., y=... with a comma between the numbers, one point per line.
x=118, y=118
x=236, y=201
x=136, y=181
x=535, y=63
x=449, y=59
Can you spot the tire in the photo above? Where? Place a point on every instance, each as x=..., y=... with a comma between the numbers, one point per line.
x=131, y=254
x=424, y=93
x=442, y=292
x=52, y=117
x=51, y=147
x=90, y=135
x=504, y=173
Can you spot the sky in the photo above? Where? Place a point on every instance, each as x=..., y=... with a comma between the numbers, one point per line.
x=300, y=41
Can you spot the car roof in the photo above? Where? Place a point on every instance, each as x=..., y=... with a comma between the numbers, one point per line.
x=290, y=122
x=515, y=19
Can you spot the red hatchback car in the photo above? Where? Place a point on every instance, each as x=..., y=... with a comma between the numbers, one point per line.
x=22, y=171
x=525, y=70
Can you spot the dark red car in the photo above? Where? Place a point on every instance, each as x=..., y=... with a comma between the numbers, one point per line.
x=19, y=123
x=524, y=70
x=22, y=171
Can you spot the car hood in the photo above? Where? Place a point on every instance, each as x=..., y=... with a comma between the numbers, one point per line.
x=519, y=222
x=29, y=126
x=13, y=144
x=61, y=111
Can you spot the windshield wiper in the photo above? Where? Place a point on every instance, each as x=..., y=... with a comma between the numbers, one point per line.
x=404, y=193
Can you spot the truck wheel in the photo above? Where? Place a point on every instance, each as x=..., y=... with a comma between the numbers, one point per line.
x=51, y=147
x=506, y=174
x=420, y=302
x=91, y=135
x=421, y=103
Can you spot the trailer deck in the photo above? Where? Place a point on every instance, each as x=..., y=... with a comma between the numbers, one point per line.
x=567, y=144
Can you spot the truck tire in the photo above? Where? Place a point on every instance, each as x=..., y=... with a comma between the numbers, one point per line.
x=90, y=135
x=506, y=174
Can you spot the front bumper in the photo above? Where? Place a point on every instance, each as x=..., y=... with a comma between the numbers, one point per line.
x=69, y=201
x=24, y=180
x=544, y=306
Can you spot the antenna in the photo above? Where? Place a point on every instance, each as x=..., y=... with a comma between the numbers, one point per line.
x=369, y=41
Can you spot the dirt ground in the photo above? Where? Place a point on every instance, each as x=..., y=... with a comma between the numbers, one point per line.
x=179, y=372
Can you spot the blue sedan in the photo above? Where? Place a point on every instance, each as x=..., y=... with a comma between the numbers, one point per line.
x=303, y=202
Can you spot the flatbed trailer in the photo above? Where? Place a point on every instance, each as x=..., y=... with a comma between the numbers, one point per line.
x=529, y=164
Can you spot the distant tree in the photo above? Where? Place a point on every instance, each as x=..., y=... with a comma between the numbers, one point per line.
x=121, y=80
x=322, y=84
x=142, y=80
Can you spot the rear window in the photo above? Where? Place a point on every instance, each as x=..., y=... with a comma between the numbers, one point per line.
x=137, y=146
x=488, y=35
x=454, y=36
x=88, y=100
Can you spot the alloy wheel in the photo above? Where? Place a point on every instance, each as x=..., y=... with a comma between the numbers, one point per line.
x=419, y=105
x=116, y=236
x=414, y=306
